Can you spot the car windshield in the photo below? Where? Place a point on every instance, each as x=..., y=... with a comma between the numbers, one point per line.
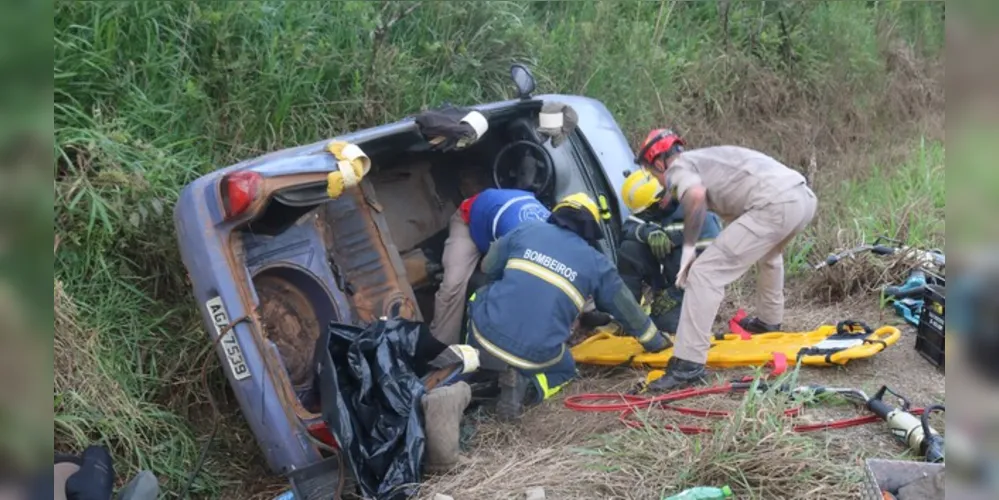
x=595, y=179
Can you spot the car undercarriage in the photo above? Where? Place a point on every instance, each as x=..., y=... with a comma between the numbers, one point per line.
x=274, y=258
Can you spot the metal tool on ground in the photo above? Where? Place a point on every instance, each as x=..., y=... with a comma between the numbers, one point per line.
x=909, y=309
x=907, y=298
x=933, y=258
x=913, y=432
x=914, y=286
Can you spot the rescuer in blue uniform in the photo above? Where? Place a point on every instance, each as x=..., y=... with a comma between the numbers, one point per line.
x=650, y=250
x=479, y=221
x=540, y=277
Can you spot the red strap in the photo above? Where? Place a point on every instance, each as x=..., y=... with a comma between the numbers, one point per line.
x=778, y=364
x=735, y=327
x=466, y=207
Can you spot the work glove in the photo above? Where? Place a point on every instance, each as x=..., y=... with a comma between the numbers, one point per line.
x=686, y=260
x=659, y=242
x=557, y=120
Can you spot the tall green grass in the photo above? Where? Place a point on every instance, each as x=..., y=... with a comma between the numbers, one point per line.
x=903, y=202
x=150, y=95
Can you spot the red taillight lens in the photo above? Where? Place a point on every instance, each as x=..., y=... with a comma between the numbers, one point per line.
x=319, y=431
x=239, y=190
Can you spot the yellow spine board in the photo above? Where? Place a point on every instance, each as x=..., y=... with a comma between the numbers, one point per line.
x=608, y=348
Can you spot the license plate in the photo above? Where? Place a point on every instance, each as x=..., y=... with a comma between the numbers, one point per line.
x=237, y=364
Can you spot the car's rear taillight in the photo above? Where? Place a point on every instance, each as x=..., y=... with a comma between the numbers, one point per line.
x=239, y=190
x=320, y=431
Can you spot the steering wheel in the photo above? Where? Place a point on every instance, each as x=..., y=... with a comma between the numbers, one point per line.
x=534, y=172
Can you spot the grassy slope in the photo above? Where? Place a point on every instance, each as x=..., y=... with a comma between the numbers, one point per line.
x=150, y=95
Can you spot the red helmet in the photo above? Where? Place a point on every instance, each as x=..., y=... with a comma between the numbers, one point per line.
x=658, y=142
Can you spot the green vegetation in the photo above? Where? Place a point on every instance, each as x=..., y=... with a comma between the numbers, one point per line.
x=906, y=201
x=150, y=95
x=754, y=450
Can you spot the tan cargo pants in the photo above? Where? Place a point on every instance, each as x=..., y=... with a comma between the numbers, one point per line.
x=459, y=261
x=759, y=235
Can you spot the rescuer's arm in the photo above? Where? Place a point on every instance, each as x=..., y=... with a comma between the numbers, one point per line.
x=613, y=297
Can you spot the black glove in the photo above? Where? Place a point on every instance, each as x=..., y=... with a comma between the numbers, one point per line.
x=450, y=143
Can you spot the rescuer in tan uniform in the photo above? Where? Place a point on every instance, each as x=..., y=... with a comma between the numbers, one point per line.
x=764, y=204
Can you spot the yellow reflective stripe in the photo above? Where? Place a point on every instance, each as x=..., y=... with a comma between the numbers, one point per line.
x=510, y=359
x=549, y=276
x=604, y=208
x=546, y=391
x=649, y=334
x=472, y=297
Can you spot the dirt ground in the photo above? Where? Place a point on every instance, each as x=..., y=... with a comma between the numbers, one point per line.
x=504, y=460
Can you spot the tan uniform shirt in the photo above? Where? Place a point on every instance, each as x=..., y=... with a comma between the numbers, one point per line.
x=737, y=179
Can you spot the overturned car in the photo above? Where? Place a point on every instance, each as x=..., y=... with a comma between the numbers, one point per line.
x=351, y=230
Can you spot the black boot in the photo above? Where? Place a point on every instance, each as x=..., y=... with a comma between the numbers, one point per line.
x=680, y=374
x=754, y=326
x=593, y=319
x=665, y=312
x=513, y=391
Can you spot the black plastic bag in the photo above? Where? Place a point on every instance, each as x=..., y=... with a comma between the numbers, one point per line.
x=370, y=388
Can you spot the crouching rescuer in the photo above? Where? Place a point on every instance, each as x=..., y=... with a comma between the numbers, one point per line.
x=650, y=250
x=540, y=275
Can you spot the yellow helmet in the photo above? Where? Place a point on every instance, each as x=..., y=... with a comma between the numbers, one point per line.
x=580, y=201
x=640, y=191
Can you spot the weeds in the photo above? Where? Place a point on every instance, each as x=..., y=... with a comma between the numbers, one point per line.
x=754, y=450
x=149, y=95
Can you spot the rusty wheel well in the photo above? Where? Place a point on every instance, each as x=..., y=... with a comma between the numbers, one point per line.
x=294, y=307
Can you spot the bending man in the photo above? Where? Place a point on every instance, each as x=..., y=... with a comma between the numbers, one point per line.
x=765, y=204
x=479, y=220
x=540, y=276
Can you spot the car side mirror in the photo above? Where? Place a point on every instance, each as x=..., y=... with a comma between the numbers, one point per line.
x=523, y=79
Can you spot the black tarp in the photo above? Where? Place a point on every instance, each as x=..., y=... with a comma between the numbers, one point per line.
x=370, y=390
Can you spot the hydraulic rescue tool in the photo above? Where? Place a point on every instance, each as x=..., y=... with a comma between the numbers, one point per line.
x=931, y=258
x=910, y=430
x=903, y=422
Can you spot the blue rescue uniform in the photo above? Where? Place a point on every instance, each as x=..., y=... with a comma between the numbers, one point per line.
x=495, y=212
x=636, y=230
x=637, y=264
x=541, y=275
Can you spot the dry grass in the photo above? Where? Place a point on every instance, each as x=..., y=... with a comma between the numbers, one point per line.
x=592, y=455
x=77, y=371
x=72, y=346
x=576, y=455
x=861, y=275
